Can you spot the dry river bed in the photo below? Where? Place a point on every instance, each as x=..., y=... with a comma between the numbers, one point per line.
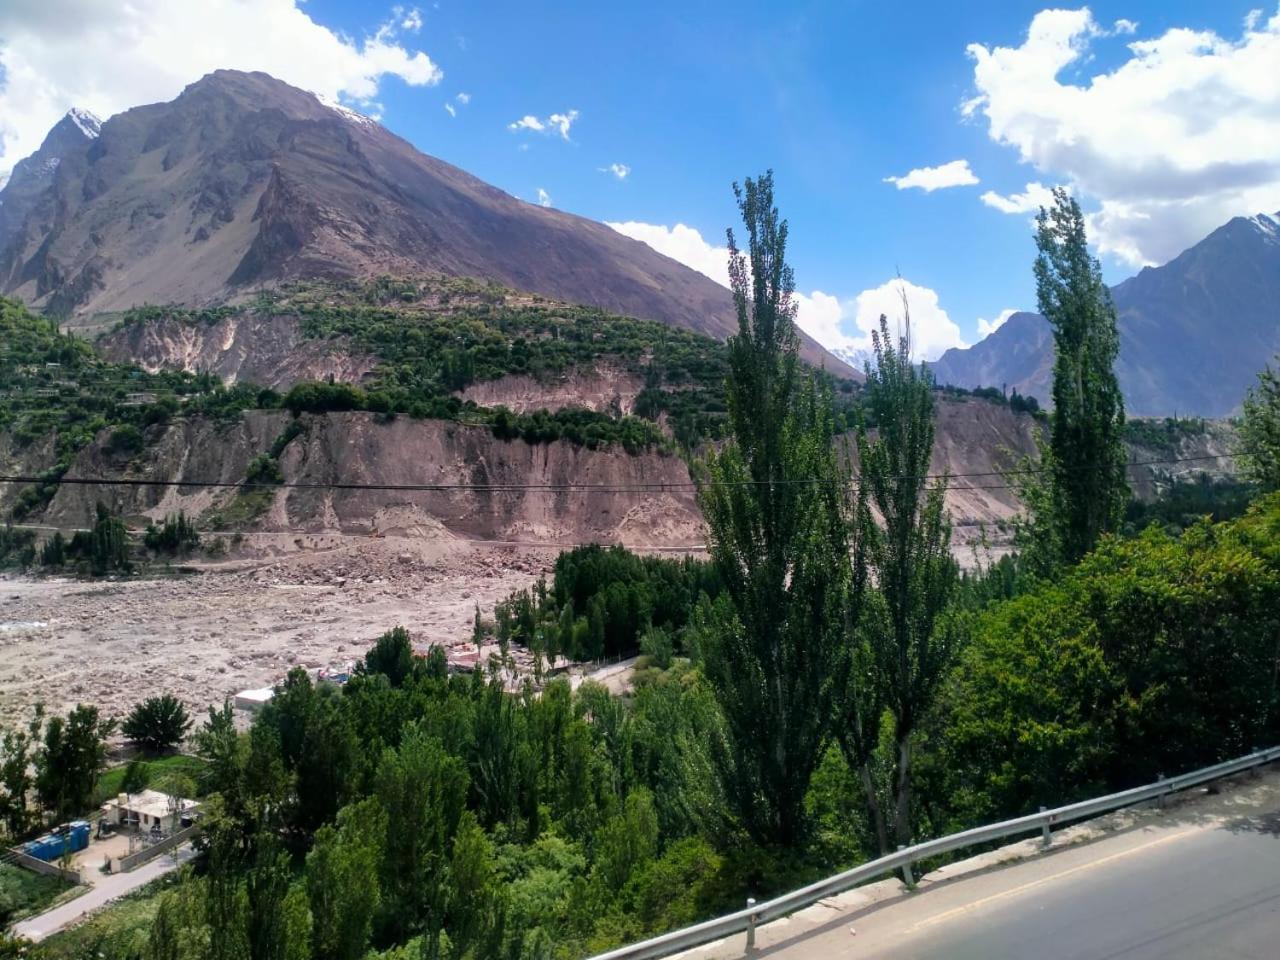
x=240, y=624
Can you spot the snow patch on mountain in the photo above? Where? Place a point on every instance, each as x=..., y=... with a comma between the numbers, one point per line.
x=89, y=124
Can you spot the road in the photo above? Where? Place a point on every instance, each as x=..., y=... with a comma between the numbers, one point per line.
x=1200, y=881
x=101, y=893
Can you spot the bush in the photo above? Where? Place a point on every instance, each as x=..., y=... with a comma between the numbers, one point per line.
x=176, y=535
x=157, y=724
x=125, y=441
x=263, y=468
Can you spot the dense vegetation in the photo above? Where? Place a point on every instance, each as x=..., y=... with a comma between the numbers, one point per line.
x=608, y=602
x=436, y=336
x=58, y=391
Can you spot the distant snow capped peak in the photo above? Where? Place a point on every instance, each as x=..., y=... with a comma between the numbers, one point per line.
x=856, y=357
x=346, y=112
x=89, y=124
x=1269, y=227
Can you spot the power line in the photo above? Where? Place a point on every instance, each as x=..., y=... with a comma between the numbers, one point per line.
x=676, y=486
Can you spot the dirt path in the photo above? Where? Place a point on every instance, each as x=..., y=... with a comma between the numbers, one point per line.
x=204, y=637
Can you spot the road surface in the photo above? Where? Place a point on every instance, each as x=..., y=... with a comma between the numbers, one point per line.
x=1200, y=881
x=101, y=893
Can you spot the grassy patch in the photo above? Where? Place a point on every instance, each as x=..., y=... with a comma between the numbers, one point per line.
x=109, y=782
x=120, y=930
x=24, y=893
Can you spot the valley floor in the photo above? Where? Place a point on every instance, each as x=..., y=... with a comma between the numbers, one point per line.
x=242, y=624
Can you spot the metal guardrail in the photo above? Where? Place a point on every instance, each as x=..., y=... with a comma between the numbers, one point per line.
x=1044, y=821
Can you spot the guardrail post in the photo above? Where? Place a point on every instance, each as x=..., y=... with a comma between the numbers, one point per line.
x=907, y=877
x=1045, y=837
x=1160, y=796
x=751, y=925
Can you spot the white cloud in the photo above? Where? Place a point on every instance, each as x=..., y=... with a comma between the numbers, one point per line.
x=1123, y=26
x=988, y=327
x=1170, y=144
x=619, y=170
x=1035, y=196
x=556, y=123
x=463, y=98
x=544, y=198
x=410, y=20
x=842, y=326
x=932, y=331
x=109, y=57
x=450, y=108
x=527, y=122
x=563, y=121
x=953, y=174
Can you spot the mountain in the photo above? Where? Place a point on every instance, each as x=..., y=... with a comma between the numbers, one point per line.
x=1193, y=332
x=243, y=182
x=33, y=176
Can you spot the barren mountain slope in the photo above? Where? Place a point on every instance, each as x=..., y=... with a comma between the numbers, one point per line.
x=244, y=181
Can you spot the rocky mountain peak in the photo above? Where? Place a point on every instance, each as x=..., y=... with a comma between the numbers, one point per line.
x=244, y=181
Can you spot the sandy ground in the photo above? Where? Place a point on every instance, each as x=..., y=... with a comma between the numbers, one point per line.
x=239, y=625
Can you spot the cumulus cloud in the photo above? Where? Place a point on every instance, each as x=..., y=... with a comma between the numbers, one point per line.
x=59, y=54
x=452, y=111
x=682, y=243
x=842, y=326
x=1035, y=196
x=556, y=123
x=1171, y=143
x=1123, y=26
x=619, y=170
x=463, y=98
x=544, y=198
x=988, y=327
x=953, y=174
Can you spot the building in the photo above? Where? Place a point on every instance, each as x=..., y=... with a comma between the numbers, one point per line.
x=253, y=700
x=148, y=810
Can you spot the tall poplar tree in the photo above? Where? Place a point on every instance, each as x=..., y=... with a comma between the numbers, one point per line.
x=774, y=502
x=906, y=640
x=1086, y=468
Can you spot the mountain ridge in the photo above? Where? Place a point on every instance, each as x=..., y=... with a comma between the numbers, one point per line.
x=1194, y=332
x=243, y=181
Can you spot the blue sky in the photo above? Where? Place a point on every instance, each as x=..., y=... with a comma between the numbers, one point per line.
x=835, y=97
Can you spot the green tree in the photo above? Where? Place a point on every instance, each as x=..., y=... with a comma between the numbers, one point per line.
x=72, y=755
x=342, y=881
x=1086, y=469
x=423, y=791
x=1260, y=432
x=17, y=756
x=392, y=656
x=774, y=502
x=108, y=543
x=910, y=641
x=157, y=724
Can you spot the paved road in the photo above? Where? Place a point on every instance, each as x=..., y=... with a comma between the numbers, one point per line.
x=1198, y=880
x=1190, y=893
x=105, y=890
x=1186, y=888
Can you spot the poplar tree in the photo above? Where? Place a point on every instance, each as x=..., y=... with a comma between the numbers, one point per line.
x=774, y=502
x=1260, y=432
x=1086, y=468
x=907, y=639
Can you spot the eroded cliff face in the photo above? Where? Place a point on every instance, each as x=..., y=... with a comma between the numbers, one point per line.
x=521, y=496
x=270, y=351
x=359, y=449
